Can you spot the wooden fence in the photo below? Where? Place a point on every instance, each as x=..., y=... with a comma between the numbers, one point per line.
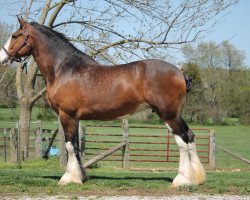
x=127, y=144
x=142, y=144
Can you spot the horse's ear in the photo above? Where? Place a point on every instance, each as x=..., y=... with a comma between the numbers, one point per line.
x=22, y=22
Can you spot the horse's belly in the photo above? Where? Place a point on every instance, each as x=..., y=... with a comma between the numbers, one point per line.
x=138, y=109
x=113, y=113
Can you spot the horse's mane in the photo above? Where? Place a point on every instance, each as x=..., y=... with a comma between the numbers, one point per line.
x=60, y=39
x=57, y=36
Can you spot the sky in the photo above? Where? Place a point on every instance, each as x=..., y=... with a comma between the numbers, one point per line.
x=234, y=27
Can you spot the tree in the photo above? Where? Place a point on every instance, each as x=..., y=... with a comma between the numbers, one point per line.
x=223, y=74
x=8, y=96
x=195, y=98
x=116, y=31
x=5, y=32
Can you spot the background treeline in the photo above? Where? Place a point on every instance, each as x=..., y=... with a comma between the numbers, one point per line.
x=221, y=84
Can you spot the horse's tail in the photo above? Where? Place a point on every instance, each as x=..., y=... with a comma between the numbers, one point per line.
x=188, y=81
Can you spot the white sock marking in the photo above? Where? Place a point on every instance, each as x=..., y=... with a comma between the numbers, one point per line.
x=186, y=174
x=73, y=170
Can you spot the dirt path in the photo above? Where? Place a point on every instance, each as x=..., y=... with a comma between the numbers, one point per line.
x=180, y=197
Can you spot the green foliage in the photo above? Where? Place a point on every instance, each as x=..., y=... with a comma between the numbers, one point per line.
x=245, y=119
x=46, y=114
x=153, y=118
x=192, y=70
x=8, y=95
x=194, y=106
x=209, y=121
x=221, y=84
x=230, y=121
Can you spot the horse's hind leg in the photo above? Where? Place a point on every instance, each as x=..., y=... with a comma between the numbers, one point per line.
x=191, y=171
x=75, y=173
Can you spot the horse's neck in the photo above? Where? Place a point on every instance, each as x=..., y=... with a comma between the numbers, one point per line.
x=45, y=63
x=50, y=60
x=88, y=60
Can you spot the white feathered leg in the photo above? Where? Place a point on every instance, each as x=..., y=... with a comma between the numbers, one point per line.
x=200, y=174
x=74, y=173
x=186, y=173
x=191, y=171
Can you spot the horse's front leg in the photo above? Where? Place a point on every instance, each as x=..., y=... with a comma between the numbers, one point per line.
x=75, y=173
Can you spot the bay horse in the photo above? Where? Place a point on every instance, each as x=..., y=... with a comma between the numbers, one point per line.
x=79, y=88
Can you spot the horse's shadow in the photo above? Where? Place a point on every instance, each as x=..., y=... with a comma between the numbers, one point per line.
x=167, y=179
x=95, y=177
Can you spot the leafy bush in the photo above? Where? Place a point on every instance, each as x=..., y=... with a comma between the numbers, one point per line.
x=245, y=119
x=153, y=118
x=209, y=121
x=46, y=114
x=230, y=121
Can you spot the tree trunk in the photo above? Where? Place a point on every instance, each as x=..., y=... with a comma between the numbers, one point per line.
x=26, y=89
x=24, y=127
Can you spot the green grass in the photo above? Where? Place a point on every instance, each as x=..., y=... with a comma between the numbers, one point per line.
x=40, y=178
x=236, y=139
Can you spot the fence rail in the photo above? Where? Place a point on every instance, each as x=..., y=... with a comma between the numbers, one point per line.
x=158, y=146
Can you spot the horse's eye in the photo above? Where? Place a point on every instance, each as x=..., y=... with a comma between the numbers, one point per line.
x=14, y=36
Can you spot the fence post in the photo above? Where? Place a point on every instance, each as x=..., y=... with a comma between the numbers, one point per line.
x=83, y=143
x=80, y=132
x=5, y=145
x=168, y=145
x=13, y=145
x=18, y=151
x=125, y=149
x=212, y=150
x=63, y=152
x=38, y=140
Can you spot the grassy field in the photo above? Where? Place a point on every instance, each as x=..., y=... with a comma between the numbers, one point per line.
x=40, y=178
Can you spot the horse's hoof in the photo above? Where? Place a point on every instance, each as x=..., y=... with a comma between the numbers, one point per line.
x=180, y=180
x=68, y=178
x=63, y=182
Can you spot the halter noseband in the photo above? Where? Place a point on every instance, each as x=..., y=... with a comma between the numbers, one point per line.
x=25, y=43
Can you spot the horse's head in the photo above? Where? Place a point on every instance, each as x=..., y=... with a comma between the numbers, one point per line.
x=18, y=45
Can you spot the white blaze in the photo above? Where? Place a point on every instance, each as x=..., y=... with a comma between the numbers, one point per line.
x=3, y=55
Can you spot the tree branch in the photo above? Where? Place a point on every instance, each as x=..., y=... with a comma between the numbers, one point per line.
x=38, y=95
x=44, y=12
x=28, y=9
x=138, y=40
x=89, y=24
x=3, y=75
x=58, y=7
